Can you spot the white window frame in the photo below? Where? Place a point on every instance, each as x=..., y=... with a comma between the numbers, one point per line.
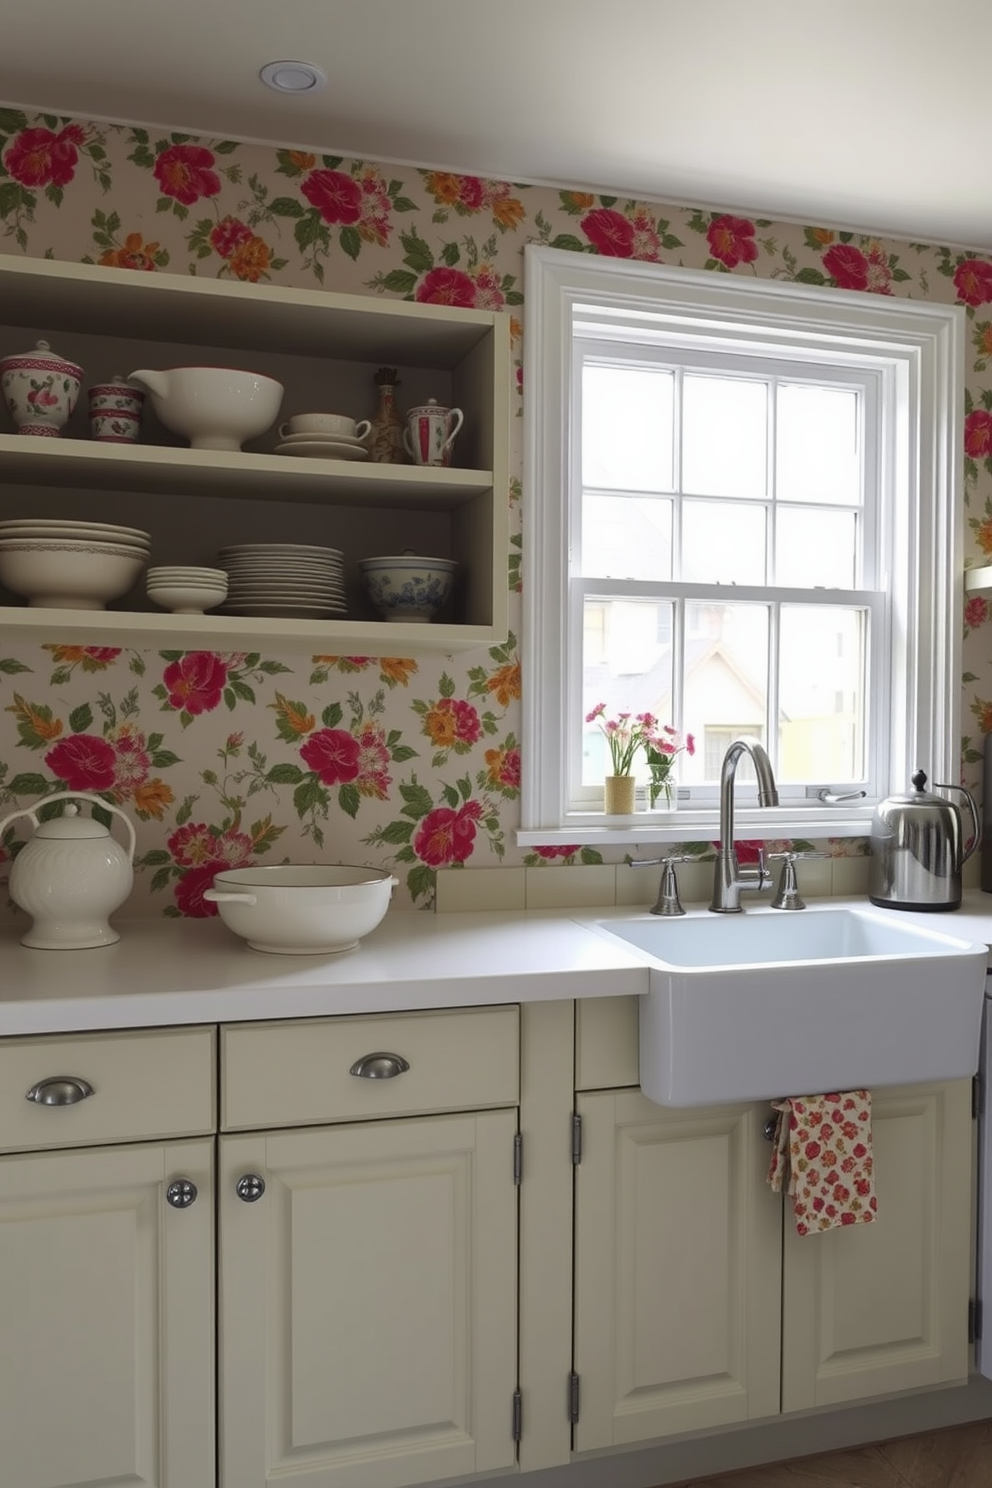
x=918, y=348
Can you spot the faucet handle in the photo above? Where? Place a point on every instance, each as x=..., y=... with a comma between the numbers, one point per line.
x=668, y=902
x=787, y=895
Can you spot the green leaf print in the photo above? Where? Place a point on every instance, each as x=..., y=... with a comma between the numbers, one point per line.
x=284, y=775
x=80, y=719
x=27, y=784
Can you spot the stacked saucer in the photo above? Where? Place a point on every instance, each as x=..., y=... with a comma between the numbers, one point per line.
x=291, y=580
x=324, y=446
x=186, y=591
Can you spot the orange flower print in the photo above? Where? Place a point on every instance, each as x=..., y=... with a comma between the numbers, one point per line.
x=982, y=710
x=983, y=535
x=821, y=235
x=578, y=201
x=982, y=338
x=504, y=683
x=90, y=658
x=503, y=769
x=444, y=187
x=151, y=799
x=250, y=260
x=38, y=720
x=301, y=159
x=508, y=211
x=135, y=254
x=450, y=723
x=295, y=721
x=397, y=669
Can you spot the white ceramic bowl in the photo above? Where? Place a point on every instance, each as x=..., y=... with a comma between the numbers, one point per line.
x=184, y=597
x=408, y=586
x=302, y=910
x=66, y=575
x=213, y=407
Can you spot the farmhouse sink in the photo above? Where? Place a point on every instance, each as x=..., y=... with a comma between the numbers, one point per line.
x=766, y=1004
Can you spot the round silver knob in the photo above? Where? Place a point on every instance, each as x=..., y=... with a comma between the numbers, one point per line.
x=250, y=1187
x=60, y=1090
x=379, y=1066
x=181, y=1193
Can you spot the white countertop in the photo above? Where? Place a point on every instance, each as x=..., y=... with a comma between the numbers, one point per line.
x=167, y=971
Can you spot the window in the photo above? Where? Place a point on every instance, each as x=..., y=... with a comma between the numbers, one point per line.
x=742, y=514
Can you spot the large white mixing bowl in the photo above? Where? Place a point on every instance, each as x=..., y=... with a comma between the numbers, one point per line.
x=213, y=407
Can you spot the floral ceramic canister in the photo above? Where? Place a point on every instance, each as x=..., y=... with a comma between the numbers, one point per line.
x=40, y=389
x=115, y=411
x=430, y=432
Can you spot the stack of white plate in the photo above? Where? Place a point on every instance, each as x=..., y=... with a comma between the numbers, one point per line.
x=53, y=529
x=284, y=580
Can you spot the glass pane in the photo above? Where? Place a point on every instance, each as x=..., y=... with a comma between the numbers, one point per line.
x=817, y=445
x=627, y=428
x=821, y=723
x=627, y=537
x=815, y=547
x=726, y=683
x=724, y=436
x=627, y=665
x=723, y=544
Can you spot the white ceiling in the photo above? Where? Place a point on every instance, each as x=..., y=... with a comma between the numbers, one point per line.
x=874, y=116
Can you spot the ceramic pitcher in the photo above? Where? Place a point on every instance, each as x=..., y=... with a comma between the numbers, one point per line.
x=430, y=433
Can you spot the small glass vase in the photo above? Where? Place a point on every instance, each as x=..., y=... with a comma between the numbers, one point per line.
x=619, y=793
x=666, y=795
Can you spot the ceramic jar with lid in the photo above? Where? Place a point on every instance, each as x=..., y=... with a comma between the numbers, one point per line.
x=40, y=390
x=430, y=431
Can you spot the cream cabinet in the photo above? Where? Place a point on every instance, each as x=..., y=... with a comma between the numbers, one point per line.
x=106, y=1261
x=697, y=1304
x=368, y=1250
x=325, y=349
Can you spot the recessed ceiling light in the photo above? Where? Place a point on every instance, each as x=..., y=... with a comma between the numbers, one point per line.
x=292, y=77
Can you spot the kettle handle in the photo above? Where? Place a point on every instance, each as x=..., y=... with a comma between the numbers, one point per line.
x=976, y=839
x=32, y=812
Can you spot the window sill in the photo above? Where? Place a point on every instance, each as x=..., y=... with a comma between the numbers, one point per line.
x=814, y=824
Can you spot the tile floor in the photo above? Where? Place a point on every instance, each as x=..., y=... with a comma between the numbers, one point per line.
x=960, y=1457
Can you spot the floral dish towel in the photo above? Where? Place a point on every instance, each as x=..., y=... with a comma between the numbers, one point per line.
x=823, y=1155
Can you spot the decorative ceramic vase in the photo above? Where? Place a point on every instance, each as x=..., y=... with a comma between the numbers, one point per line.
x=619, y=792
x=115, y=411
x=40, y=390
x=386, y=438
x=430, y=432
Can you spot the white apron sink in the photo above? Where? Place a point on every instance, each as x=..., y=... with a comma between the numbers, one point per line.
x=767, y=1003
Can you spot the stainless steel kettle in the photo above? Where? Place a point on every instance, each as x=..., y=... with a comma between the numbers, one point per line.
x=917, y=848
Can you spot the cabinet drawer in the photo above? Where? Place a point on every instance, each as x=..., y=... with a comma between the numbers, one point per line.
x=299, y=1073
x=144, y=1085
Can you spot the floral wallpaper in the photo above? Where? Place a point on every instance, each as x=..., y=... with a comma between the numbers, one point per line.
x=409, y=763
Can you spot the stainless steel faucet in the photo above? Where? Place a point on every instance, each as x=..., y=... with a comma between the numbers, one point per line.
x=729, y=877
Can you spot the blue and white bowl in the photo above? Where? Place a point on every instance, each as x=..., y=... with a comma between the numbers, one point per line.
x=407, y=586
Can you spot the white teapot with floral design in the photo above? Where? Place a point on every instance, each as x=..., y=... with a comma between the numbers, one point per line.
x=71, y=875
x=40, y=389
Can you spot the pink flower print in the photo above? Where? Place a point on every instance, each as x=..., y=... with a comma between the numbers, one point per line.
x=973, y=281
x=551, y=853
x=336, y=196
x=731, y=241
x=444, y=286
x=978, y=434
x=83, y=762
x=610, y=233
x=41, y=395
x=229, y=235
x=447, y=836
x=373, y=778
x=847, y=266
x=195, y=683
x=39, y=157
x=133, y=762
x=185, y=172
x=192, y=845
x=190, y=890
x=333, y=754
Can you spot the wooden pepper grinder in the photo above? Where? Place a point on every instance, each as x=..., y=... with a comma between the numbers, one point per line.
x=386, y=438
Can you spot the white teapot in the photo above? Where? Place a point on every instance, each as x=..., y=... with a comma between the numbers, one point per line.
x=71, y=875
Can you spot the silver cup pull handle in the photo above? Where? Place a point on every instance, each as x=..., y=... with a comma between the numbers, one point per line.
x=379, y=1066
x=60, y=1090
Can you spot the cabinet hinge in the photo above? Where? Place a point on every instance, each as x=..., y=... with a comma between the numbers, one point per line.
x=977, y=1097
x=974, y=1319
x=576, y=1138
x=573, y=1397
x=518, y=1157
x=518, y=1414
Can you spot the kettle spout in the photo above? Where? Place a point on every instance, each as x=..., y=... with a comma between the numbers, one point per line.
x=155, y=382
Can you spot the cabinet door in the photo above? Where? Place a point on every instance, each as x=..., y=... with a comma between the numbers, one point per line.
x=368, y=1303
x=106, y=1319
x=877, y=1308
x=677, y=1264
